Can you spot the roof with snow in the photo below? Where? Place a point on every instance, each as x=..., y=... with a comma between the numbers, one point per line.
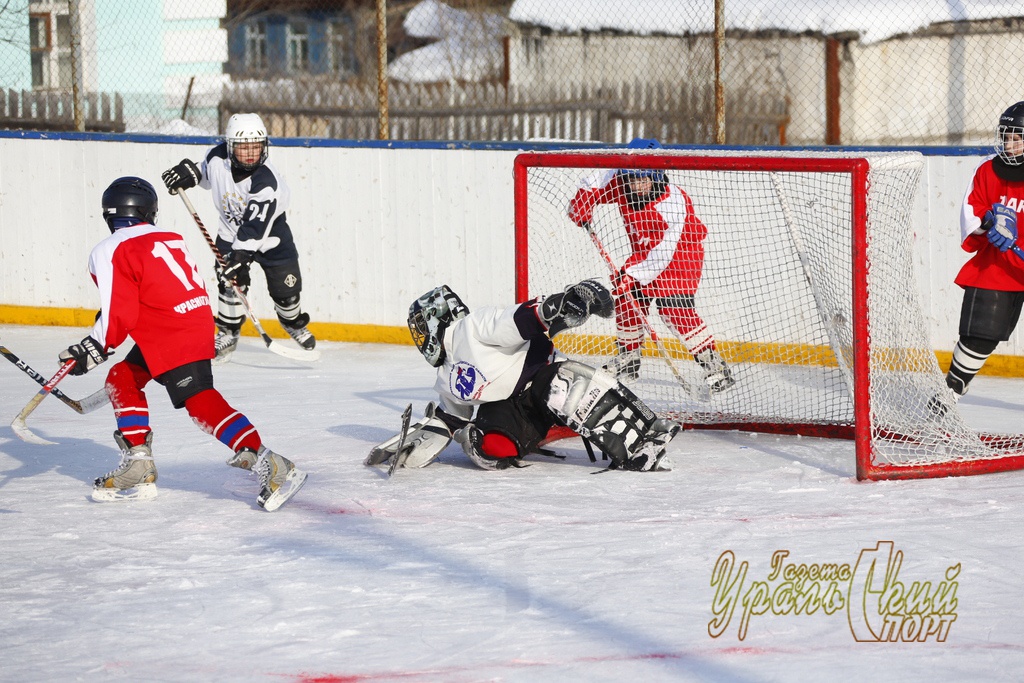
x=468, y=46
x=874, y=20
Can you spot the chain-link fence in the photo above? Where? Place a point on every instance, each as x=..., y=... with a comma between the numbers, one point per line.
x=797, y=72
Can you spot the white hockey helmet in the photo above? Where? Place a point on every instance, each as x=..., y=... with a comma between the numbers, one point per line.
x=246, y=128
x=429, y=317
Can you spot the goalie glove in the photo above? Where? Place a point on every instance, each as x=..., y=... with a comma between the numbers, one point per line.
x=1002, y=226
x=87, y=354
x=181, y=177
x=572, y=307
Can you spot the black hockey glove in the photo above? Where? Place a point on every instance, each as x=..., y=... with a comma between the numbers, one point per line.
x=236, y=268
x=572, y=307
x=182, y=177
x=87, y=354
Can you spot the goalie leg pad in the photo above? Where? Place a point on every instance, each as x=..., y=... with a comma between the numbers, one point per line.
x=424, y=442
x=575, y=391
x=609, y=415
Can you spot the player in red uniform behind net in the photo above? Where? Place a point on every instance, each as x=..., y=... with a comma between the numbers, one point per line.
x=150, y=289
x=667, y=242
x=993, y=279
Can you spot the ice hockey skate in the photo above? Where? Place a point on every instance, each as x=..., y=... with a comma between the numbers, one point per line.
x=650, y=456
x=133, y=479
x=225, y=344
x=625, y=367
x=297, y=330
x=279, y=479
x=717, y=374
x=943, y=402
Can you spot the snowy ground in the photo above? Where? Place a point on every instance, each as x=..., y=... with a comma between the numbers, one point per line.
x=454, y=574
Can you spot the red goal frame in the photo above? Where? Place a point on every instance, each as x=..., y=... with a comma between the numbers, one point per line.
x=858, y=169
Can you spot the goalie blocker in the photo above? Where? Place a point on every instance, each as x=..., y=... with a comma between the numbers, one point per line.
x=424, y=442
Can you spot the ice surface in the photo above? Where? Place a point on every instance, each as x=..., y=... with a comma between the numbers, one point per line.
x=450, y=573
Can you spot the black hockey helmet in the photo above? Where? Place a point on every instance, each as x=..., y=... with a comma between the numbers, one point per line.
x=1011, y=131
x=429, y=317
x=131, y=198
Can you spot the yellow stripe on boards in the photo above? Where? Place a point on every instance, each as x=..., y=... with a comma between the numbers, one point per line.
x=80, y=317
x=597, y=345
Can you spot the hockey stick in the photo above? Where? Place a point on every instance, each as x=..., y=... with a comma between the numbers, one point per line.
x=273, y=345
x=82, y=406
x=655, y=337
x=18, y=424
x=400, y=457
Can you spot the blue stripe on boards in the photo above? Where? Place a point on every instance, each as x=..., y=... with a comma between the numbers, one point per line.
x=524, y=146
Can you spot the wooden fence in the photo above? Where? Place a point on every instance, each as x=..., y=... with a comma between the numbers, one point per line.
x=46, y=110
x=675, y=113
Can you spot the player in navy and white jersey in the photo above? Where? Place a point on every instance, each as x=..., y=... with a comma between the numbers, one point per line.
x=502, y=385
x=993, y=278
x=151, y=290
x=252, y=199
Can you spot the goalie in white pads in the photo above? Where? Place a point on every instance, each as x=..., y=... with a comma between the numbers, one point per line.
x=502, y=385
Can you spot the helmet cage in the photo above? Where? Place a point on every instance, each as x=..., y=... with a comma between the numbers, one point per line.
x=636, y=200
x=246, y=129
x=1010, y=135
x=429, y=318
x=1010, y=144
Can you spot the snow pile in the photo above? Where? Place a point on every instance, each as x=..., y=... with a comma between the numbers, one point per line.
x=873, y=20
x=468, y=46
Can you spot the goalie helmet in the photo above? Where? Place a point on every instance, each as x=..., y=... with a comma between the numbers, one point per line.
x=127, y=201
x=429, y=317
x=1010, y=135
x=244, y=132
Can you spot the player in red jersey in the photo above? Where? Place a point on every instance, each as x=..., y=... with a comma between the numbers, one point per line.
x=151, y=290
x=665, y=267
x=993, y=279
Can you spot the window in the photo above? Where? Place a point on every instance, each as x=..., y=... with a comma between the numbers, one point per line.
x=342, y=46
x=39, y=48
x=50, y=51
x=256, y=45
x=298, y=47
x=64, y=78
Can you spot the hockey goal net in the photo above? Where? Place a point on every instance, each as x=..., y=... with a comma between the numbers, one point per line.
x=808, y=288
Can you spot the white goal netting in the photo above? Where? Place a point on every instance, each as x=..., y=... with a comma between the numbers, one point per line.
x=803, y=254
